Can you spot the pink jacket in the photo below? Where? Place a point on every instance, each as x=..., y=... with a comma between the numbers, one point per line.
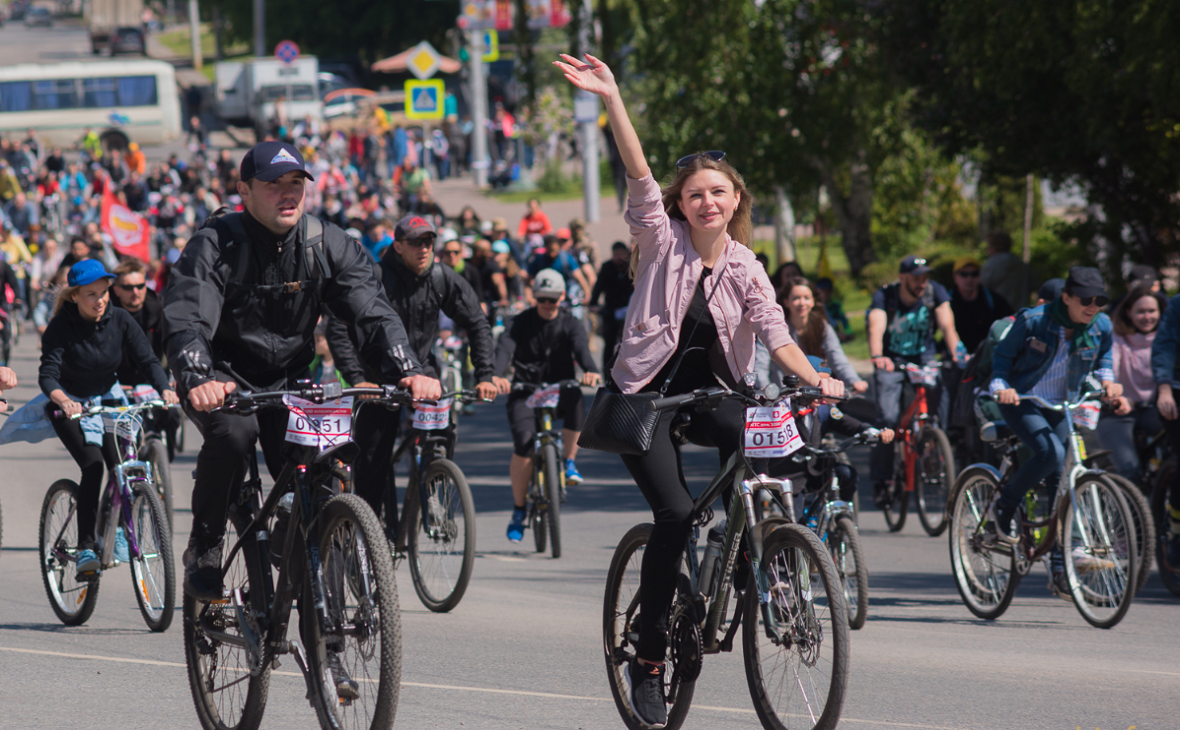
x=669, y=272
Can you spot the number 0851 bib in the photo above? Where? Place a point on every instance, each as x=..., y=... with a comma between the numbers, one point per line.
x=319, y=424
x=770, y=432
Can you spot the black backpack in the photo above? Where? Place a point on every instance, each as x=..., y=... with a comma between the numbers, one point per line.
x=232, y=234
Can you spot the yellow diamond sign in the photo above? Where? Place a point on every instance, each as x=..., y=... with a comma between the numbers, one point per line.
x=423, y=60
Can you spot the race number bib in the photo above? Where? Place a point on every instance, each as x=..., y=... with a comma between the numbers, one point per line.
x=1087, y=415
x=319, y=424
x=435, y=417
x=927, y=375
x=770, y=432
x=545, y=397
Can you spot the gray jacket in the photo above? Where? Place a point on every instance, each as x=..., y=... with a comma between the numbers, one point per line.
x=767, y=370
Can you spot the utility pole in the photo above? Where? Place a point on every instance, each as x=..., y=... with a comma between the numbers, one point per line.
x=586, y=114
x=479, y=109
x=194, y=24
x=260, y=28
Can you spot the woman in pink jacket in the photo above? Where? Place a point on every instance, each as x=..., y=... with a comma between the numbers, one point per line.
x=700, y=300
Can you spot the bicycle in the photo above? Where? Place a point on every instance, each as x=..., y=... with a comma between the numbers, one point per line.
x=923, y=460
x=152, y=448
x=129, y=511
x=1088, y=517
x=452, y=360
x=437, y=525
x=795, y=640
x=332, y=559
x=1161, y=503
x=546, y=491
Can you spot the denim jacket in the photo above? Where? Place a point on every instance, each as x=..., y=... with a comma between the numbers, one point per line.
x=1165, y=367
x=1027, y=350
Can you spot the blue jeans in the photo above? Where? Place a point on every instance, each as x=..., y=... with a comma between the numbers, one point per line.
x=1046, y=433
x=890, y=388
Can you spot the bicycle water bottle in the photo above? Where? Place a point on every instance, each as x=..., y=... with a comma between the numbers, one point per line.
x=709, y=566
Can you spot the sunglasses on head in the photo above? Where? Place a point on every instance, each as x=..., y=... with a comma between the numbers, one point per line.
x=132, y=287
x=546, y=300
x=714, y=155
x=1099, y=300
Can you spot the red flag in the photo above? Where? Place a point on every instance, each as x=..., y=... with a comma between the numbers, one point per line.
x=129, y=231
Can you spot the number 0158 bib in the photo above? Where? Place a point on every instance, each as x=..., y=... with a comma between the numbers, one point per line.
x=770, y=432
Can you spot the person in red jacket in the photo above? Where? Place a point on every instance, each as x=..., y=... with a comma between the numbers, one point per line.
x=534, y=222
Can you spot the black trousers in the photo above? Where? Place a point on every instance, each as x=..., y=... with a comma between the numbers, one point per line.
x=375, y=431
x=90, y=458
x=660, y=476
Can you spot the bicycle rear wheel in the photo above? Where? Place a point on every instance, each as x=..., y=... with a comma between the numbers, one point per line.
x=1161, y=504
x=442, y=550
x=934, y=474
x=984, y=568
x=551, y=510
x=1099, y=544
x=1140, y=509
x=153, y=574
x=72, y=600
x=361, y=593
x=896, y=495
x=798, y=680
x=155, y=453
x=848, y=557
x=229, y=683
x=620, y=632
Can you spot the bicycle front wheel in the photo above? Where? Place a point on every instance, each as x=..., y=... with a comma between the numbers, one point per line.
x=983, y=567
x=155, y=453
x=620, y=632
x=153, y=574
x=1140, y=510
x=72, y=600
x=1161, y=504
x=849, y=559
x=896, y=496
x=442, y=548
x=933, y=476
x=797, y=677
x=1099, y=544
x=551, y=511
x=365, y=649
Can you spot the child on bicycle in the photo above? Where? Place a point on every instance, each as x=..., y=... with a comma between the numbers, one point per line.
x=81, y=350
x=1049, y=351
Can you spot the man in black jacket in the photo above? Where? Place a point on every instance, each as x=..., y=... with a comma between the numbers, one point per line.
x=241, y=311
x=419, y=289
x=614, y=285
x=132, y=294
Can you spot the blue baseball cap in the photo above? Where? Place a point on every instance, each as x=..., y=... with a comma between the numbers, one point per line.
x=87, y=271
x=269, y=161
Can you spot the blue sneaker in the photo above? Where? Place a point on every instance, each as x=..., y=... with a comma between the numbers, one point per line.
x=122, y=554
x=87, y=565
x=572, y=475
x=516, y=526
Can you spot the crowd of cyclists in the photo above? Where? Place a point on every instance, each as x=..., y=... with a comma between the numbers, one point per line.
x=297, y=264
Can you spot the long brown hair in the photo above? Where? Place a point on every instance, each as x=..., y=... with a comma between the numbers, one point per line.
x=741, y=226
x=1122, y=313
x=811, y=335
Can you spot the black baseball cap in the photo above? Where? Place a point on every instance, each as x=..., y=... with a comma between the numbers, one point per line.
x=268, y=161
x=915, y=265
x=1051, y=289
x=1085, y=281
x=413, y=226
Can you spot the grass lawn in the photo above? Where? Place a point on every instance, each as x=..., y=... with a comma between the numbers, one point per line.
x=572, y=192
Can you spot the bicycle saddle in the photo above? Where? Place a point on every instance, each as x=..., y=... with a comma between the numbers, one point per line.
x=346, y=452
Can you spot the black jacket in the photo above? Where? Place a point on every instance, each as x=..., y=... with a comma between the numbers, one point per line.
x=418, y=299
x=150, y=319
x=614, y=282
x=251, y=317
x=81, y=357
x=544, y=351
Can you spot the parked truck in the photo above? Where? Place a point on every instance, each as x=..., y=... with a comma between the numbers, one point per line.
x=105, y=16
x=253, y=93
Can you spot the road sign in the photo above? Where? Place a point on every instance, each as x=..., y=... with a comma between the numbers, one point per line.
x=423, y=61
x=286, y=51
x=491, y=45
x=424, y=99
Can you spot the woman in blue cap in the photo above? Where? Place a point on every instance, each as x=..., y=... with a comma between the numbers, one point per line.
x=80, y=351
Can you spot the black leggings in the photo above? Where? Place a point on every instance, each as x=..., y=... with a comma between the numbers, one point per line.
x=660, y=476
x=91, y=459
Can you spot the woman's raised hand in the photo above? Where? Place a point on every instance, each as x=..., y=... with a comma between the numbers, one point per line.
x=593, y=76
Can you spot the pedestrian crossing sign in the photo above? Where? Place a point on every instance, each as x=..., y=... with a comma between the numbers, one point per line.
x=424, y=99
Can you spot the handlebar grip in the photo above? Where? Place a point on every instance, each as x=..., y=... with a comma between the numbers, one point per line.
x=672, y=401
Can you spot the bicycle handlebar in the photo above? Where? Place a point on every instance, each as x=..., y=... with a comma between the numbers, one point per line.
x=523, y=386
x=1082, y=398
x=113, y=410
x=807, y=392
x=245, y=402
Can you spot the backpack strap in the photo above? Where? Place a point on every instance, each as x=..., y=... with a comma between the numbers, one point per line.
x=314, y=256
x=231, y=237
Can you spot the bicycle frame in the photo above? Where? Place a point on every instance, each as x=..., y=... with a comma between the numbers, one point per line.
x=917, y=413
x=423, y=446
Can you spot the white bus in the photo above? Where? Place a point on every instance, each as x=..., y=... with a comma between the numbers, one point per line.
x=122, y=101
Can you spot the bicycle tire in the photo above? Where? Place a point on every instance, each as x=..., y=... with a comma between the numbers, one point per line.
x=72, y=600
x=443, y=556
x=360, y=581
x=895, y=492
x=155, y=452
x=452, y=381
x=1160, y=505
x=536, y=512
x=620, y=607
x=1101, y=575
x=229, y=690
x=848, y=557
x=984, y=571
x=551, y=512
x=816, y=620
x=1140, y=508
x=153, y=574
x=933, y=477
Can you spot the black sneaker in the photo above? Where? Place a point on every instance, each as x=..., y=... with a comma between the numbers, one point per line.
x=647, y=691
x=202, y=570
x=1059, y=585
x=346, y=687
x=881, y=495
x=1005, y=530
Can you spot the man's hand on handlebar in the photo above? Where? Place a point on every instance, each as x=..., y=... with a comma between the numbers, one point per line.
x=422, y=387
x=70, y=408
x=170, y=397
x=1113, y=390
x=1008, y=397
x=883, y=363
x=7, y=379
x=207, y=396
x=591, y=379
x=503, y=385
x=886, y=435
x=487, y=391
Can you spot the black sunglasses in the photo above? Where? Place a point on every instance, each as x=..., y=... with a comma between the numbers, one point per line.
x=1100, y=300
x=132, y=287
x=714, y=155
x=546, y=300
x=421, y=242
x=967, y=274
x=452, y=252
